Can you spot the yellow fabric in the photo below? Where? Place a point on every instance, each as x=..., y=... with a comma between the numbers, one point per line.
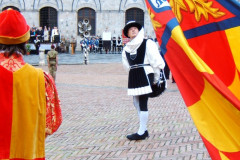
x=233, y=35
x=29, y=114
x=234, y=87
x=218, y=122
x=223, y=157
x=15, y=40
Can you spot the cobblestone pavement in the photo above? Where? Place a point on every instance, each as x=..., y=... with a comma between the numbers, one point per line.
x=98, y=114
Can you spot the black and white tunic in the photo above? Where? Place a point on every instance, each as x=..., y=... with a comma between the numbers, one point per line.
x=141, y=58
x=138, y=81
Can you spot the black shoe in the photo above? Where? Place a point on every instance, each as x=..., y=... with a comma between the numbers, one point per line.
x=136, y=136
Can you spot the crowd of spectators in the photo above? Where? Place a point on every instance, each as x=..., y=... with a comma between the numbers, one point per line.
x=46, y=35
x=94, y=44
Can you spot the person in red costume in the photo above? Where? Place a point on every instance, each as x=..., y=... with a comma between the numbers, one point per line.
x=29, y=104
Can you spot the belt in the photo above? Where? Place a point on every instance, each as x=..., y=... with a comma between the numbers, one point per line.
x=138, y=65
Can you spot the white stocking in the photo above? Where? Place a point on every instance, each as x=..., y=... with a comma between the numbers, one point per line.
x=136, y=103
x=143, y=120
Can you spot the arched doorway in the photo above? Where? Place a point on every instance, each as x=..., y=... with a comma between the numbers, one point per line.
x=135, y=14
x=48, y=17
x=90, y=14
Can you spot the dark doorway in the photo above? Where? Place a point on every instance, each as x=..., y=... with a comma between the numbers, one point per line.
x=90, y=14
x=48, y=17
x=135, y=14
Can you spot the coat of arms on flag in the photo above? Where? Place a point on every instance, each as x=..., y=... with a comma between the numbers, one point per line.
x=200, y=42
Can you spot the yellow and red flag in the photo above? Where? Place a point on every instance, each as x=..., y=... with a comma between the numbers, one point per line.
x=200, y=41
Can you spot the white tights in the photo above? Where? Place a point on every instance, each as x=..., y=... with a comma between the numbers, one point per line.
x=143, y=116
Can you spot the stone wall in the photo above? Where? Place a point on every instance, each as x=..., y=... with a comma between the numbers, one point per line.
x=109, y=14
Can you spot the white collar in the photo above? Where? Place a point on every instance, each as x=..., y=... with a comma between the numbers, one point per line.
x=133, y=45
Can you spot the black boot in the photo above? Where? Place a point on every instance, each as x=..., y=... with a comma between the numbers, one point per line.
x=136, y=136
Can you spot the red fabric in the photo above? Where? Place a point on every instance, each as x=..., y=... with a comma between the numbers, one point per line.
x=53, y=110
x=185, y=75
x=12, y=63
x=224, y=65
x=12, y=20
x=27, y=159
x=232, y=155
x=6, y=90
x=162, y=18
x=213, y=151
x=189, y=21
x=208, y=21
x=222, y=88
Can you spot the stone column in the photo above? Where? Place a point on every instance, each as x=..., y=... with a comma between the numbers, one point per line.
x=41, y=57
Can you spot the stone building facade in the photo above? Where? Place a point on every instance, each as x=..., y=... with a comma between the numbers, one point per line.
x=109, y=14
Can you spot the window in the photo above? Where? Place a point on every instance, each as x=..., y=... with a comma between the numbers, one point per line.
x=134, y=14
x=48, y=17
x=90, y=14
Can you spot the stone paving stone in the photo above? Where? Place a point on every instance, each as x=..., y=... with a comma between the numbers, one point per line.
x=98, y=114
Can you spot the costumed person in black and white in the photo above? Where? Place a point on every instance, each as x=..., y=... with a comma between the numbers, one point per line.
x=143, y=61
x=37, y=44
